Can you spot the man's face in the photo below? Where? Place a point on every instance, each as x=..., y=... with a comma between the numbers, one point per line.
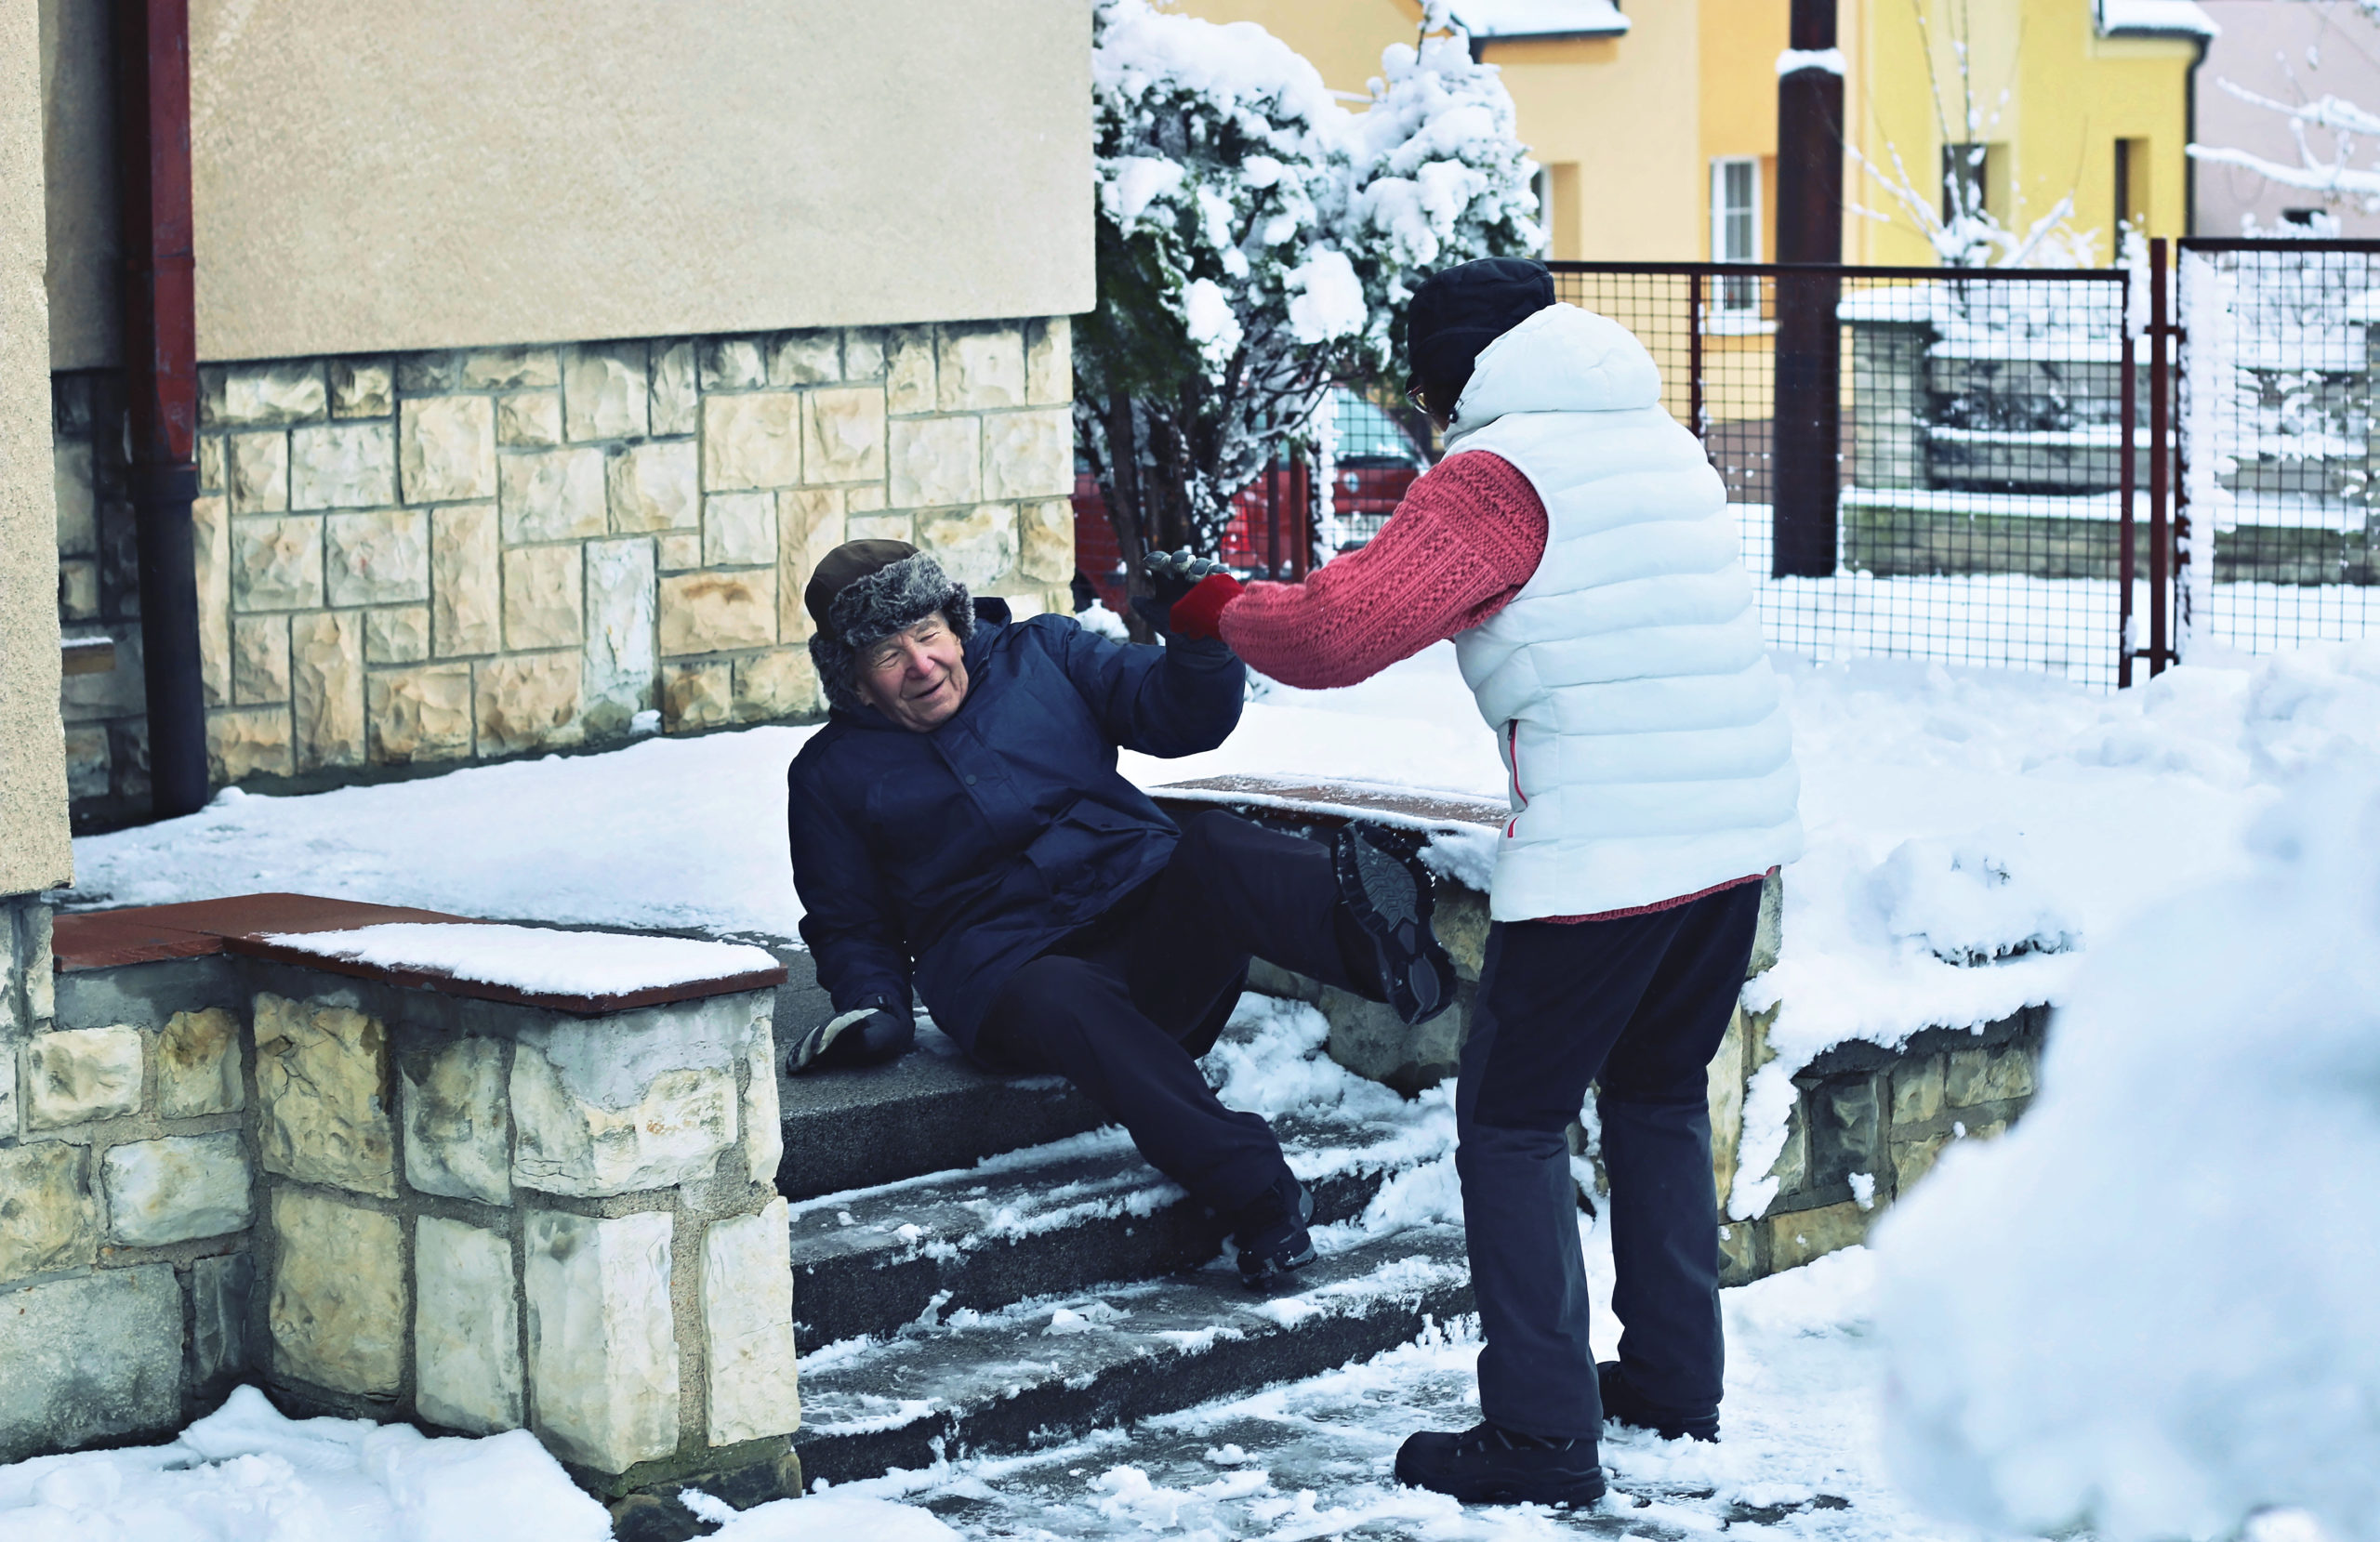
x=918, y=677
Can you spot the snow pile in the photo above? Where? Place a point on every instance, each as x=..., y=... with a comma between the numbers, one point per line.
x=1961, y=901
x=534, y=959
x=247, y=1475
x=2148, y=1309
x=1272, y=1060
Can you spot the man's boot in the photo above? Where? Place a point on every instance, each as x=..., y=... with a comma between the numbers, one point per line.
x=1271, y=1234
x=1489, y=1465
x=1385, y=891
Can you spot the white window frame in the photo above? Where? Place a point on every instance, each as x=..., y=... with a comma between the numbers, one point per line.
x=1542, y=186
x=1735, y=298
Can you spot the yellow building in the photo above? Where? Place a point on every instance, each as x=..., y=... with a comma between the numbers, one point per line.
x=1656, y=126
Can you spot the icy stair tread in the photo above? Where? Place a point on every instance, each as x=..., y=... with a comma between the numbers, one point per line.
x=1050, y=1218
x=1069, y=1363
x=932, y=1110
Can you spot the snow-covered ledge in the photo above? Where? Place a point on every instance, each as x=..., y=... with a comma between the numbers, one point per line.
x=394, y=1164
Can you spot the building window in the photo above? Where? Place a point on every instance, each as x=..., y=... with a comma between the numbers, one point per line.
x=1735, y=226
x=1966, y=182
x=1542, y=185
x=2131, y=185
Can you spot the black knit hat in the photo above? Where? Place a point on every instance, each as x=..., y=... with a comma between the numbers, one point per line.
x=1460, y=311
x=863, y=592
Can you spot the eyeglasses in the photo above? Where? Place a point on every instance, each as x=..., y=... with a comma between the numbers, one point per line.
x=1413, y=393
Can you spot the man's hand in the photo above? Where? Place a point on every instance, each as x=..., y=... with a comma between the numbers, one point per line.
x=875, y=1031
x=1191, y=594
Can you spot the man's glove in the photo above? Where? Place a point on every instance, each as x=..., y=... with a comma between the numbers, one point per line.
x=1191, y=594
x=876, y=1030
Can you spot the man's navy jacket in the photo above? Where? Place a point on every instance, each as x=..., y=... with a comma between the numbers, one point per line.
x=971, y=848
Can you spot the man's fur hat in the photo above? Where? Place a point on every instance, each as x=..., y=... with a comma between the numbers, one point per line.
x=865, y=591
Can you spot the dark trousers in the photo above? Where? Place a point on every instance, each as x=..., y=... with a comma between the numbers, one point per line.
x=1124, y=1008
x=1637, y=1005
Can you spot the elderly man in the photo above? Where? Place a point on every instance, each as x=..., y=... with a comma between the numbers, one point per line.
x=961, y=822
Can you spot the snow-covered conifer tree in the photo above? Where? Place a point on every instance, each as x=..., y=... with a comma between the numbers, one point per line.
x=1256, y=241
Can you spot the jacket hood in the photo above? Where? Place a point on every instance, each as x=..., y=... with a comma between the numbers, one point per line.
x=1560, y=359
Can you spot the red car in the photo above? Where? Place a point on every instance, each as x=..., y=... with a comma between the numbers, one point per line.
x=1378, y=460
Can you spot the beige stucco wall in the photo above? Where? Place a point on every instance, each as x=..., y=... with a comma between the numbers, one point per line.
x=465, y=173
x=34, y=851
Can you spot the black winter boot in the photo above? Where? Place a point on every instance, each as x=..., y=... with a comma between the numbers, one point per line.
x=1624, y=1403
x=1387, y=893
x=1271, y=1234
x=1488, y=1465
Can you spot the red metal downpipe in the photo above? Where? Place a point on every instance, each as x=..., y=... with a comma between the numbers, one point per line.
x=161, y=382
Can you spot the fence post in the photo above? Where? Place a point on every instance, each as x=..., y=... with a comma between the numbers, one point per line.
x=1804, y=473
x=2160, y=453
x=1694, y=353
x=1302, y=496
x=2125, y=483
x=1273, y=517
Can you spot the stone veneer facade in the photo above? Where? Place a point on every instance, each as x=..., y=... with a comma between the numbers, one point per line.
x=455, y=556
x=394, y=1202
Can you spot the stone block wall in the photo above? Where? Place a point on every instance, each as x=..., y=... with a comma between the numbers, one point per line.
x=129, y=1198
x=445, y=557
x=396, y=1202
x=1867, y=1124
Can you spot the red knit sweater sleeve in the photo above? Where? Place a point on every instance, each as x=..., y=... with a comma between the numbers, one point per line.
x=1468, y=535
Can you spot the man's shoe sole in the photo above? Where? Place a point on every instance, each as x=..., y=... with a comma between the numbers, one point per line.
x=1390, y=897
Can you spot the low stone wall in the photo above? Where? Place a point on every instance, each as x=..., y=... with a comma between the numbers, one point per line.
x=396, y=1201
x=443, y=556
x=1867, y=1123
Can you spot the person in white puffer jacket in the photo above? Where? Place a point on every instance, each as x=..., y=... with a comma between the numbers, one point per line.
x=1577, y=545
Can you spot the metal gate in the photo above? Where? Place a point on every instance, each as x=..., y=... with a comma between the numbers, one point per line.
x=2274, y=443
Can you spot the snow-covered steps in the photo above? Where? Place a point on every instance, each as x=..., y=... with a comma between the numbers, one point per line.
x=1057, y=1365
x=1053, y=1218
x=930, y=1111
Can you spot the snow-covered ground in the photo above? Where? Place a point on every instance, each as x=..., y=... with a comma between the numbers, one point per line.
x=1291, y=1463
x=1979, y=842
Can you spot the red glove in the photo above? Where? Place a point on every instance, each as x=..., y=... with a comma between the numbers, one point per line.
x=1200, y=612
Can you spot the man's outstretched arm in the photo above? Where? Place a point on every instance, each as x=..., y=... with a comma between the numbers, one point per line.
x=1469, y=534
x=1178, y=699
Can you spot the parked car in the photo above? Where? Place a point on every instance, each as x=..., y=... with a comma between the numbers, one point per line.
x=1377, y=461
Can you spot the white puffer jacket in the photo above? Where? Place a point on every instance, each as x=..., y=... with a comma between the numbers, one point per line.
x=1627, y=682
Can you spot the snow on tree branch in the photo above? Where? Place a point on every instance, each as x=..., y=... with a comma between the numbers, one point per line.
x=2328, y=171
x=1257, y=240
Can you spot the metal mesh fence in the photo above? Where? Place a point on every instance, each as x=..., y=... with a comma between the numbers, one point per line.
x=2280, y=343
x=1925, y=463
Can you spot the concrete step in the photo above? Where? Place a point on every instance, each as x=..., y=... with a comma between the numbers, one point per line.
x=1052, y=1219
x=932, y=1110
x=1059, y=1365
